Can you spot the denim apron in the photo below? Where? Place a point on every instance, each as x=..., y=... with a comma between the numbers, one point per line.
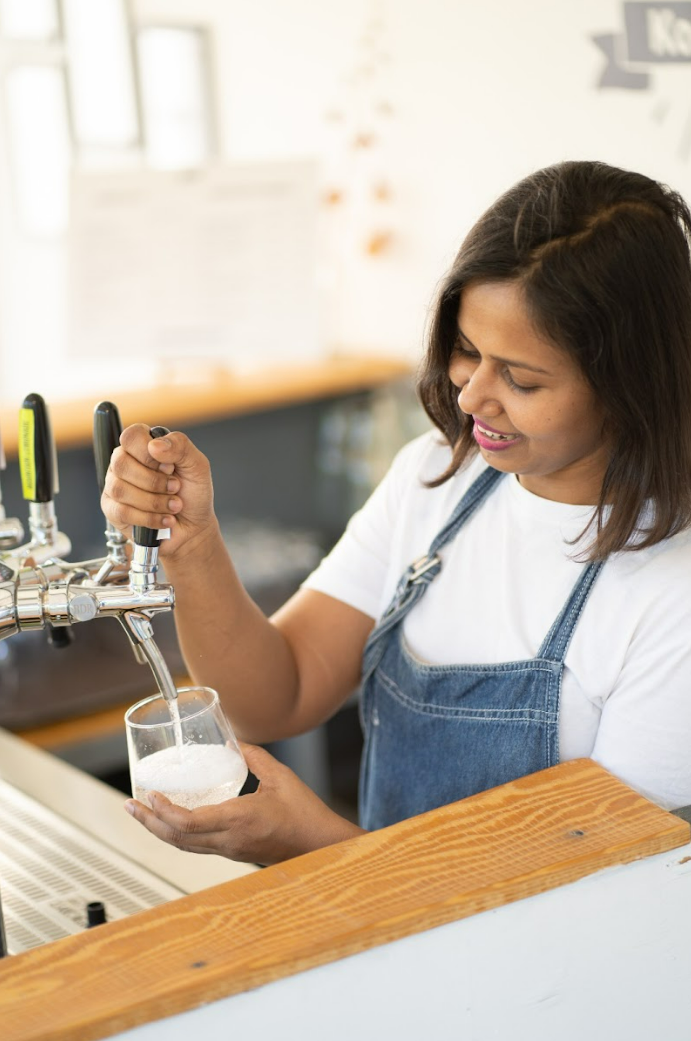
x=438, y=733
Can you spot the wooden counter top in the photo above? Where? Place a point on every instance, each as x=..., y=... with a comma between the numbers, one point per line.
x=213, y=394
x=519, y=840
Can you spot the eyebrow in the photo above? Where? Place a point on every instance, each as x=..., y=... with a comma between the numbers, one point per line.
x=507, y=361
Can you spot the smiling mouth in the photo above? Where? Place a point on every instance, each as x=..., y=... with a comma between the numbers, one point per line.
x=492, y=435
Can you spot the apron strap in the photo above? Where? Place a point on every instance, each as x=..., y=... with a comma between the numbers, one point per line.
x=416, y=578
x=556, y=643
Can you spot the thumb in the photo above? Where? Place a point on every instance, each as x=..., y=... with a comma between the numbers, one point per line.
x=177, y=450
x=260, y=762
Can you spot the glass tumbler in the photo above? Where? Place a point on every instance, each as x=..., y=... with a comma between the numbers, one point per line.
x=184, y=749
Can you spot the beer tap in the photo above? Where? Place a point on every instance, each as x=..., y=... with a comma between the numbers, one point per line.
x=107, y=430
x=39, y=474
x=144, y=563
x=58, y=594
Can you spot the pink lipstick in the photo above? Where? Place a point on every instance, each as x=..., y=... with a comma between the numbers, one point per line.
x=491, y=439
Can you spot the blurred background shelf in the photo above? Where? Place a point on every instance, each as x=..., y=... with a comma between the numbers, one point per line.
x=191, y=394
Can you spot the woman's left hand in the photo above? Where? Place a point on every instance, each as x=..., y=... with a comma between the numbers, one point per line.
x=282, y=819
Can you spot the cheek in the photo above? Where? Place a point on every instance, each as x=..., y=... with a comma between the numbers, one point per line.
x=571, y=420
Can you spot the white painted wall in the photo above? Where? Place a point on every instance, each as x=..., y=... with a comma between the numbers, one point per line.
x=484, y=91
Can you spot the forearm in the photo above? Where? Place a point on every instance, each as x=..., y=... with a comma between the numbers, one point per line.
x=275, y=677
x=229, y=644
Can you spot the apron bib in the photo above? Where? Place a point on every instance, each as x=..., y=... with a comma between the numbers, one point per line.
x=438, y=733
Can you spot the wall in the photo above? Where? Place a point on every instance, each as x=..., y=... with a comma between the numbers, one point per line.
x=481, y=93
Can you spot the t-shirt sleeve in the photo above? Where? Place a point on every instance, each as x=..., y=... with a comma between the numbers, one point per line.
x=355, y=570
x=644, y=737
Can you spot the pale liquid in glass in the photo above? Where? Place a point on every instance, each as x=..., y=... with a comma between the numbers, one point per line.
x=174, y=710
x=190, y=775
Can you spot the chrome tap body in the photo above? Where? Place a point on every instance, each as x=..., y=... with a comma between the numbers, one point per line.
x=33, y=597
x=40, y=589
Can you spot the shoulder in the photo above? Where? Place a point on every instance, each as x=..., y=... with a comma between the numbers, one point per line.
x=668, y=562
x=653, y=588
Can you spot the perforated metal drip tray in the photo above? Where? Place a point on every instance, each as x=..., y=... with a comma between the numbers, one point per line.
x=50, y=871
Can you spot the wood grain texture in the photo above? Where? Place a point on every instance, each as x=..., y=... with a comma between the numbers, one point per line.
x=503, y=845
x=213, y=394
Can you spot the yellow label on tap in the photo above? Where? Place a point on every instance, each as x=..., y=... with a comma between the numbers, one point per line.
x=27, y=457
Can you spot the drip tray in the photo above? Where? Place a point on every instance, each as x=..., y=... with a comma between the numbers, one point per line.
x=50, y=870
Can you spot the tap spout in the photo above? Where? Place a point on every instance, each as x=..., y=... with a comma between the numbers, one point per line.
x=140, y=631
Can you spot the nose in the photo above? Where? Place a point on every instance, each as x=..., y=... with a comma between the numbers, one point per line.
x=476, y=387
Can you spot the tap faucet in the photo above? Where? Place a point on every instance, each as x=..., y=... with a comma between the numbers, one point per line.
x=107, y=430
x=40, y=590
x=144, y=562
x=39, y=475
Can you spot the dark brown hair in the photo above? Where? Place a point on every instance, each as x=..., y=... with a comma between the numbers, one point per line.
x=602, y=257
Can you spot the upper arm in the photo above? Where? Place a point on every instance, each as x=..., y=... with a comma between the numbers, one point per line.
x=327, y=622
x=644, y=736
x=326, y=638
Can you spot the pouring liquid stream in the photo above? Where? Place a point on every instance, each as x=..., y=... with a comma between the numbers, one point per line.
x=165, y=685
x=174, y=710
x=169, y=692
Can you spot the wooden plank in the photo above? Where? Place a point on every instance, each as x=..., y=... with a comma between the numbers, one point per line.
x=201, y=396
x=531, y=835
x=75, y=730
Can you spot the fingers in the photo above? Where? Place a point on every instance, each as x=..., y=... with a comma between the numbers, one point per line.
x=174, y=452
x=126, y=503
x=141, y=489
x=135, y=440
x=184, y=829
x=283, y=819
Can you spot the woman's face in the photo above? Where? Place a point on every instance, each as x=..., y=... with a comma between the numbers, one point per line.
x=534, y=413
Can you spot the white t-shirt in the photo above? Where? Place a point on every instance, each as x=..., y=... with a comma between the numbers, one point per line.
x=626, y=693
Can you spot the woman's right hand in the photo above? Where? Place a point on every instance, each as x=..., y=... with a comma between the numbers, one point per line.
x=160, y=482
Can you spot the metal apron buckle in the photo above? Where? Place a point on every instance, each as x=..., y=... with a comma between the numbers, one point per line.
x=420, y=567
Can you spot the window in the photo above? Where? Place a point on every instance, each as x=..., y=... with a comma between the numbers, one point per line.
x=39, y=143
x=175, y=96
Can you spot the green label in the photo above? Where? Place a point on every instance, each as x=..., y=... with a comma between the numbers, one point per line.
x=27, y=457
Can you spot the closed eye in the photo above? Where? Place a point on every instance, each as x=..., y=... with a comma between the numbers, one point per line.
x=517, y=386
x=466, y=352
x=460, y=348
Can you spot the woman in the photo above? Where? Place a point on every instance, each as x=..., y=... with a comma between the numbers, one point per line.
x=517, y=592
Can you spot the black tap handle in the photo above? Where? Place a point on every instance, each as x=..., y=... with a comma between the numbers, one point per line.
x=149, y=536
x=37, y=461
x=107, y=430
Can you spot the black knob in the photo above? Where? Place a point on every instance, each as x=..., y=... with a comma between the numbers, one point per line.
x=95, y=913
x=149, y=536
x=37, y=461
x=107, y=430
x=59, y=637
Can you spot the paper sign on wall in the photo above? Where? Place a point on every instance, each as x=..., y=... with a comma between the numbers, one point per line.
x=218, y=263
